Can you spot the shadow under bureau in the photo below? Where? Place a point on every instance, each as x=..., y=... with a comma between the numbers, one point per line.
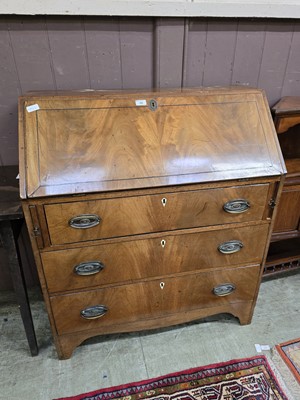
x=147, y=209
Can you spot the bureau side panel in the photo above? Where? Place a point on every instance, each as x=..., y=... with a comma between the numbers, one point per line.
x=35, y=247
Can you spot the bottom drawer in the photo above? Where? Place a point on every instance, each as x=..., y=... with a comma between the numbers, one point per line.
x=127, y=304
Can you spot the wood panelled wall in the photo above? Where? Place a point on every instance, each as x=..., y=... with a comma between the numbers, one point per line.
x=38, y=53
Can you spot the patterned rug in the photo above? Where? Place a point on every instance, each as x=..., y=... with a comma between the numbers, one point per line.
x=290, y=352
x=245, y=379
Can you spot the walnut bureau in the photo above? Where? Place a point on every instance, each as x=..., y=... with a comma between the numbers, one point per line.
x=147, y=209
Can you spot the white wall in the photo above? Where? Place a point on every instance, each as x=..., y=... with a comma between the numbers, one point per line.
x=203, y=8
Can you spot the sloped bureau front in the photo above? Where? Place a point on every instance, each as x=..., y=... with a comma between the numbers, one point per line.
x=147, y=209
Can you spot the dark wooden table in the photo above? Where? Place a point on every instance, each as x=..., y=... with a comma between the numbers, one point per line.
x=284, y=251
x=11, y=221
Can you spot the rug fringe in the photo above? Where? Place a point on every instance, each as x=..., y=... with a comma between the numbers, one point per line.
x=284, y=376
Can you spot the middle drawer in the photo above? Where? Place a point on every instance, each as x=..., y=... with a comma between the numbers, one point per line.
x=136, y=259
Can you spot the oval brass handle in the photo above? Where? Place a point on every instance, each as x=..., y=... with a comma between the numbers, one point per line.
x=88, y=268
x=84, y=221
x=94, y=312
x=236, y=206
x=230, y=247
x=223, y=290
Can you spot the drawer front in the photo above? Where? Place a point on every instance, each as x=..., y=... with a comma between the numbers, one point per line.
x=90, y=220
x=284, y=123
x=126, y=304
x=139, y=259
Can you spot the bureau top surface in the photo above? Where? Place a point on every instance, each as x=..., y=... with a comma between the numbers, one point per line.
x=81, y=142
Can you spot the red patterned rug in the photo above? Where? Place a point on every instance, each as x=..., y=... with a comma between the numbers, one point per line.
x=245, y=379
x=290, y=352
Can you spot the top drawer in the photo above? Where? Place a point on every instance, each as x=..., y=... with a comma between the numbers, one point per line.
x=96, y=219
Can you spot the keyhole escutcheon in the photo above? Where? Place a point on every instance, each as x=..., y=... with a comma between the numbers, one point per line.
x=164, y=201
x=162, y=285
x=163, y=243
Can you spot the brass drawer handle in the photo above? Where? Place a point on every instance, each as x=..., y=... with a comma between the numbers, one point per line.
x=88, y=268
x=236, y=206
x=223, y=290
x=94, y=312
x=84, y=221
x=230, y=247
